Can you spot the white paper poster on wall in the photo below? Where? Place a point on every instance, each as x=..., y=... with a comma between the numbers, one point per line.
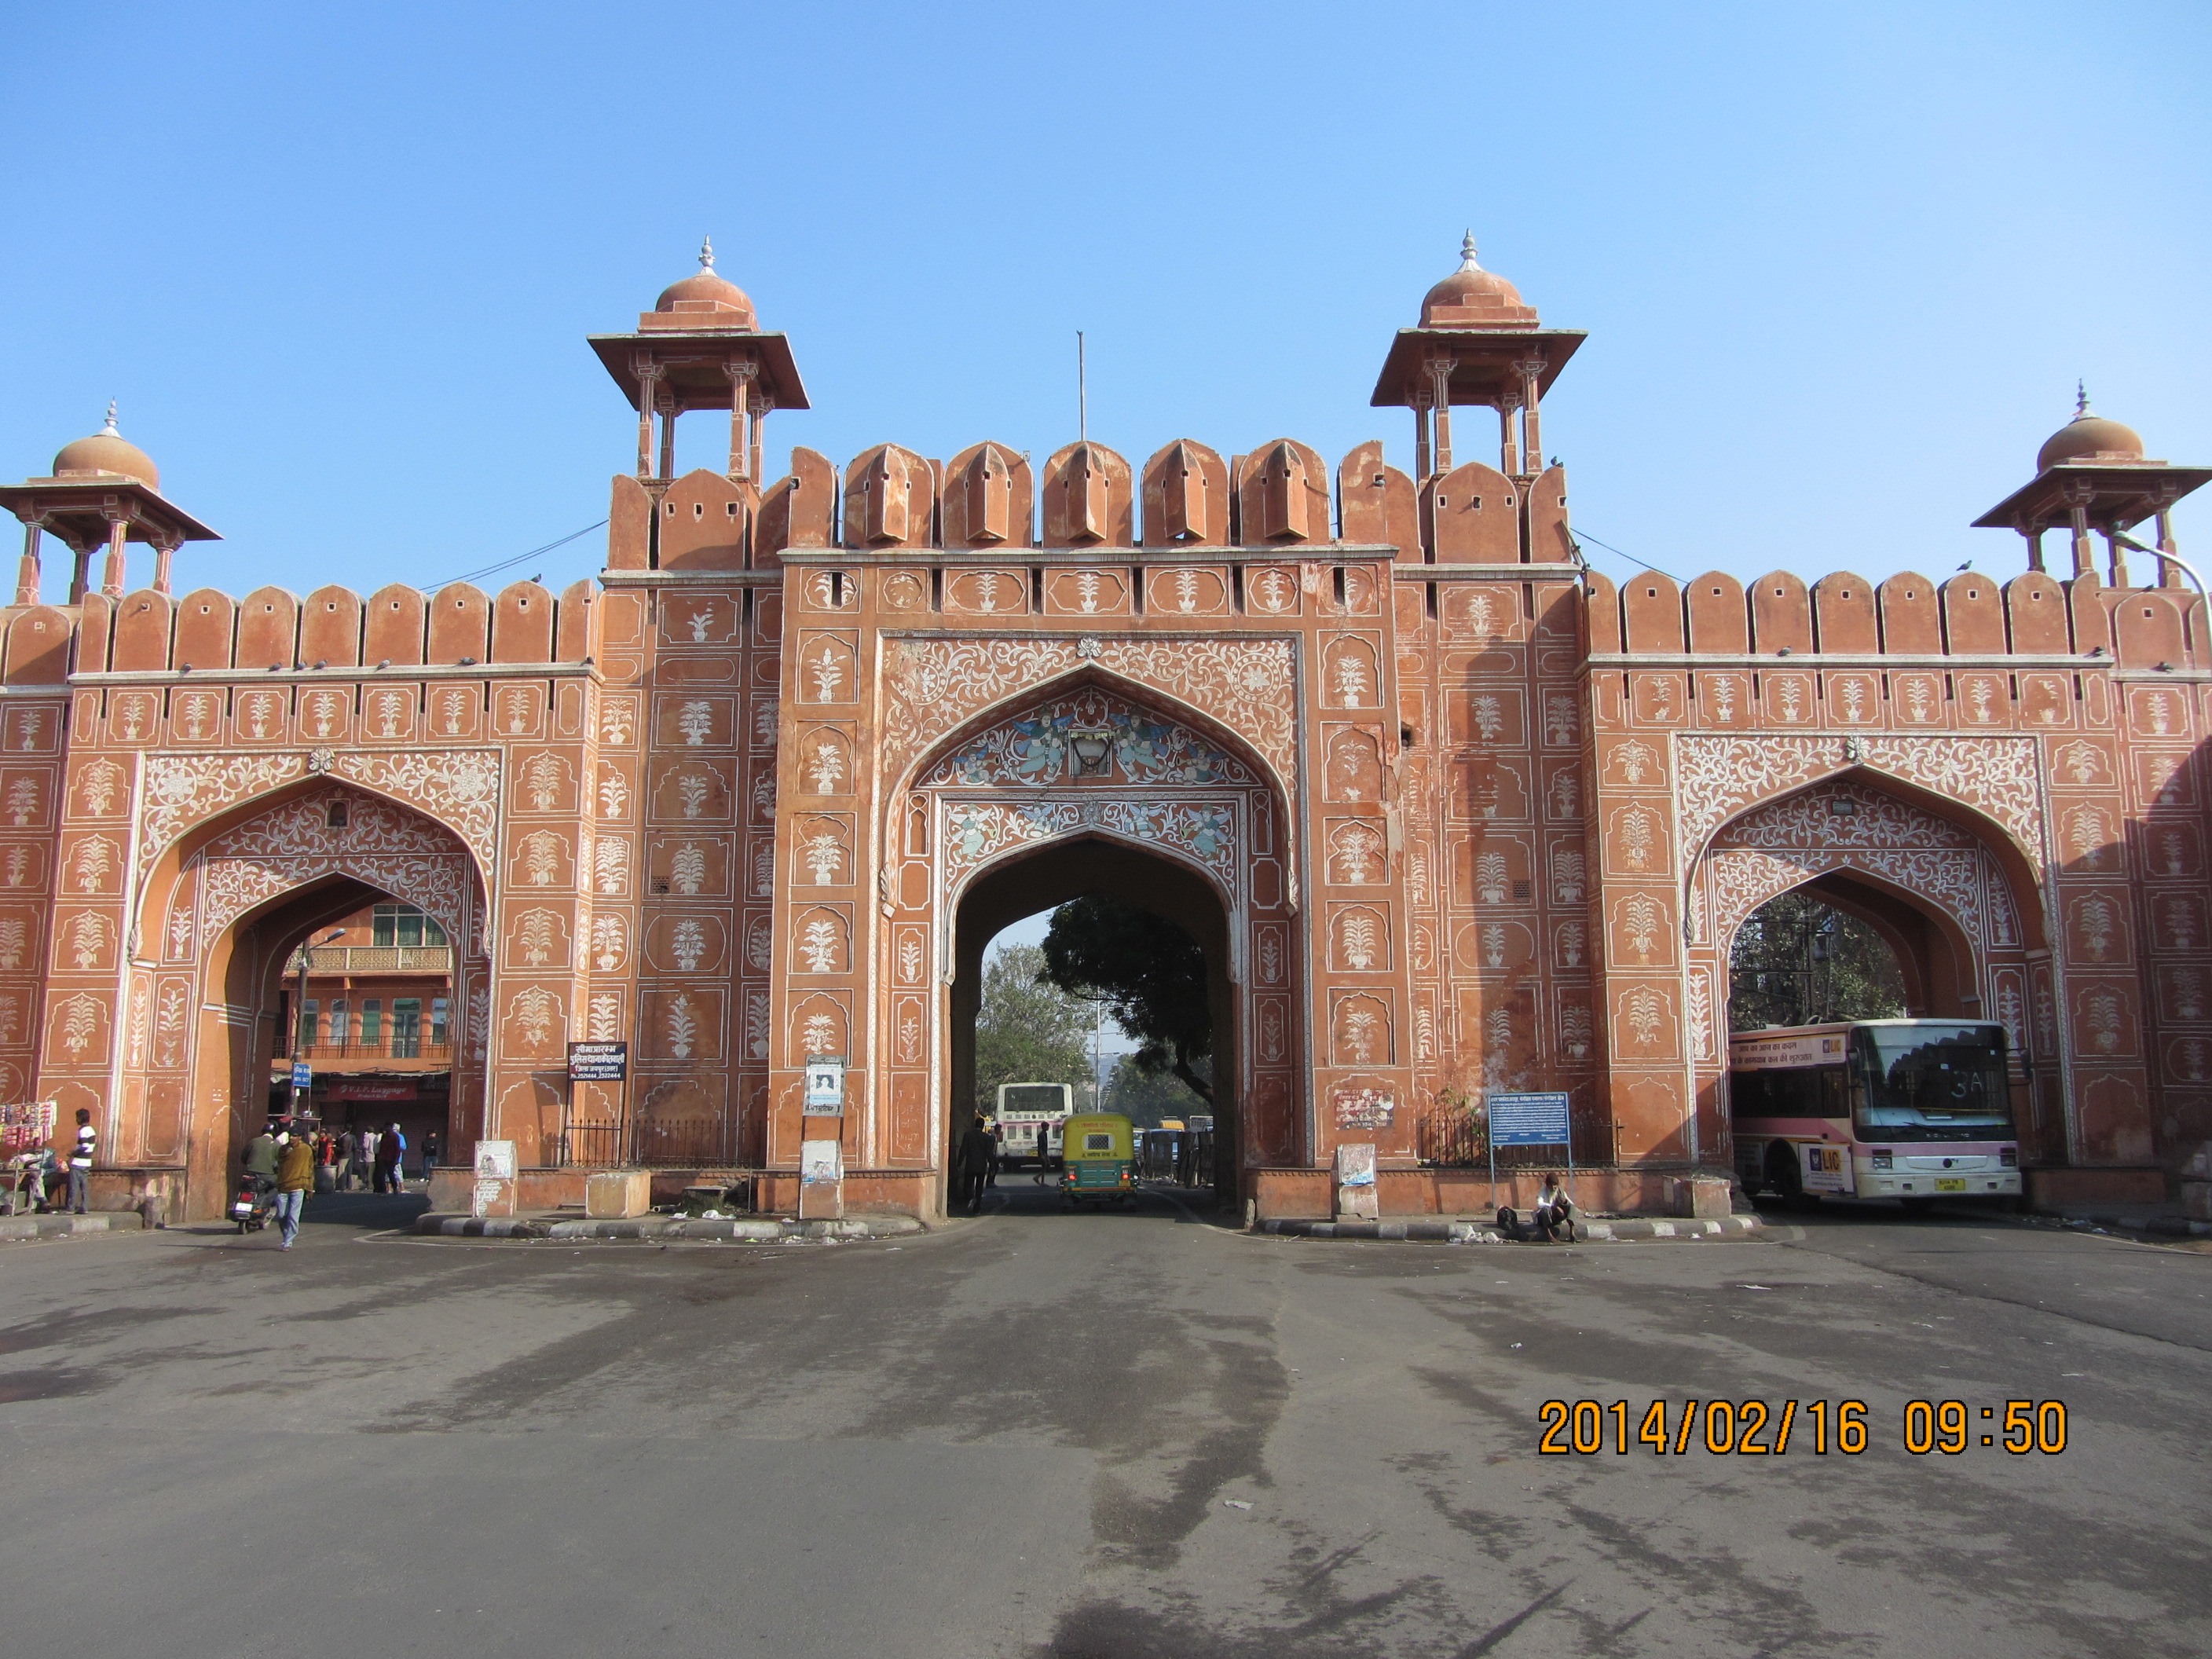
x=821, y=1163
x=495, y=1160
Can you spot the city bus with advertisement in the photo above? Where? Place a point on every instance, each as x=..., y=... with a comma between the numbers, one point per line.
x=1912, y=1109
x=1032, y=1119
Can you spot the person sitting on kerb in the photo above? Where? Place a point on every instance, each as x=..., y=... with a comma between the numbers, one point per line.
x=1554, y=1218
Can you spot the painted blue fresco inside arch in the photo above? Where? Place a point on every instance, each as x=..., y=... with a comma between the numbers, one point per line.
x=1038, y=747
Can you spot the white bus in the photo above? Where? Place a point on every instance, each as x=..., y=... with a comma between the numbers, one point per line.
x=1913, y=1109
x=1032, y=1119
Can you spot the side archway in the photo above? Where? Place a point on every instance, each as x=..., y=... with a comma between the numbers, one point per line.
x=1946, y=899
x=223, y=908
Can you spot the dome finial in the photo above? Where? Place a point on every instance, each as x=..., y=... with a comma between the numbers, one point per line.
x=2080, y=399
x=706, y=253
x=1466, y=261
x=109, y=429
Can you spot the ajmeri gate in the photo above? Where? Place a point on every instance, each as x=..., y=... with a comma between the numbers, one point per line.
x=1449, y=812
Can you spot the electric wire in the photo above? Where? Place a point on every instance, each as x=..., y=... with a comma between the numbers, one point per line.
x=509, y=564
x=1582, y=535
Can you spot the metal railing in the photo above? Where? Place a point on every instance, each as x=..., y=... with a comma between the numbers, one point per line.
x=380, y=959
x=388, y=1049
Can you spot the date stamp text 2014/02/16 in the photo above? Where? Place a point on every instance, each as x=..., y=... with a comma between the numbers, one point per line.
x=1753, y=1428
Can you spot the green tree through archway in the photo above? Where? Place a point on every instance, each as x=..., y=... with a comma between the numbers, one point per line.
x=1151, y=975
x=1028, y=1030
x=1799, y=961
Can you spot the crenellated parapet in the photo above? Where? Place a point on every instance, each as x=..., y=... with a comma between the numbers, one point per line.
x=1846, y=617
x=332, y=632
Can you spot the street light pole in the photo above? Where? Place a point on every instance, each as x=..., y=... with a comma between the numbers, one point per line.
x=300, y=1010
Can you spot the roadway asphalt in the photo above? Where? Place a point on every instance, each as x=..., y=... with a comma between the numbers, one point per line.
x=1113, y=1436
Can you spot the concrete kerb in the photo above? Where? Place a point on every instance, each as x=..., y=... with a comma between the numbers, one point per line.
x=667, y=1230
x=67, y=1226
x=1443, y=1231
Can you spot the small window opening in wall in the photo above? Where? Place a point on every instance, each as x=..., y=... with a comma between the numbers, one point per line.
x=1340, y=594
x=1521, y=890
x=1443, y=501
x=733, y=509
x=335, y=815
x=1651, y=592
x=660, y=887
x=1407, y=739
x=698, y=509
x=1475, y=502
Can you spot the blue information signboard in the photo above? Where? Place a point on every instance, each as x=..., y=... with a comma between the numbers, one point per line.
x=1532, y=1120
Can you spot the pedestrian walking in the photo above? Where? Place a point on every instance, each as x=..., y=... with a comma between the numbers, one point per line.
x=79, y=1162
x=972, y=1163
x=391, y=1161
x=429, y=1153
x=296, y=1175
x=369, y=1139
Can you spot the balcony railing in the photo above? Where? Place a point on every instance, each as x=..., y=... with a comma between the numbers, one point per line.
x=380, y=959
x=390, y=1047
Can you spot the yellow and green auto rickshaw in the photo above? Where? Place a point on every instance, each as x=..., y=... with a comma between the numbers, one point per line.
x=1099, y=1158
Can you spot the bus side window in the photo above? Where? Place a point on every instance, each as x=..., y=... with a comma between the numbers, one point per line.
x=1748, y=1094
x=1831, y=1093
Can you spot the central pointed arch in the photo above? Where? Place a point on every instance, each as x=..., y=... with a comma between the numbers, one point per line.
x=1090, y=759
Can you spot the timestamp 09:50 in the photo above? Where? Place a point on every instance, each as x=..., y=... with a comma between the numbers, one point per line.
x=1753, y=1428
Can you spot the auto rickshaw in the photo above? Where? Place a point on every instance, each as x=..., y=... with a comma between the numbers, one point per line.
x=1098, y=1158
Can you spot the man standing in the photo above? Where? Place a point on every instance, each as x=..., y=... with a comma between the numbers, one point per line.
x=80, y=1163
x=295, y=1174
x=429, y=1153
x=349, y=1151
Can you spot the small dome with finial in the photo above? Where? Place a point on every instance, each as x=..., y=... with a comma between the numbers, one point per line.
x=1472, y=297
x=106, y=454
x=2088, y=437
x=715, y=302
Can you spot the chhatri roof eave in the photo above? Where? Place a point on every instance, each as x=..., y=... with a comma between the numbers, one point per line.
x=90, y=493
x=2121, y=494
x=1485, y=359
x=694, y=359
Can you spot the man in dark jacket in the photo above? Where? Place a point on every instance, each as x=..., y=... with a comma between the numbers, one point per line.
x=261, y=1161
x=971, y=1165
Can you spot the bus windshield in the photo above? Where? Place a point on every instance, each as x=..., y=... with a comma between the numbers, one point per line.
x=1930, y=1081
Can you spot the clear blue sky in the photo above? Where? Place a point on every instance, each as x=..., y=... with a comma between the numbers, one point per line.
x=1840, y=265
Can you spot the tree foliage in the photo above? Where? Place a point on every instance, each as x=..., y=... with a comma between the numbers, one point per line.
x=1798, y=961
x=1027, y=1029
x=1145, y=1098
x=1151, y=975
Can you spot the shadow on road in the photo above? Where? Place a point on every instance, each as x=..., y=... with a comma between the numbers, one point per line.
x=1019, y=1195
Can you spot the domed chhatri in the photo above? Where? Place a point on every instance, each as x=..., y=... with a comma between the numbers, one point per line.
x=2088, y=437
x=106, y=454
x=704, y=300
x=1472, y=297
